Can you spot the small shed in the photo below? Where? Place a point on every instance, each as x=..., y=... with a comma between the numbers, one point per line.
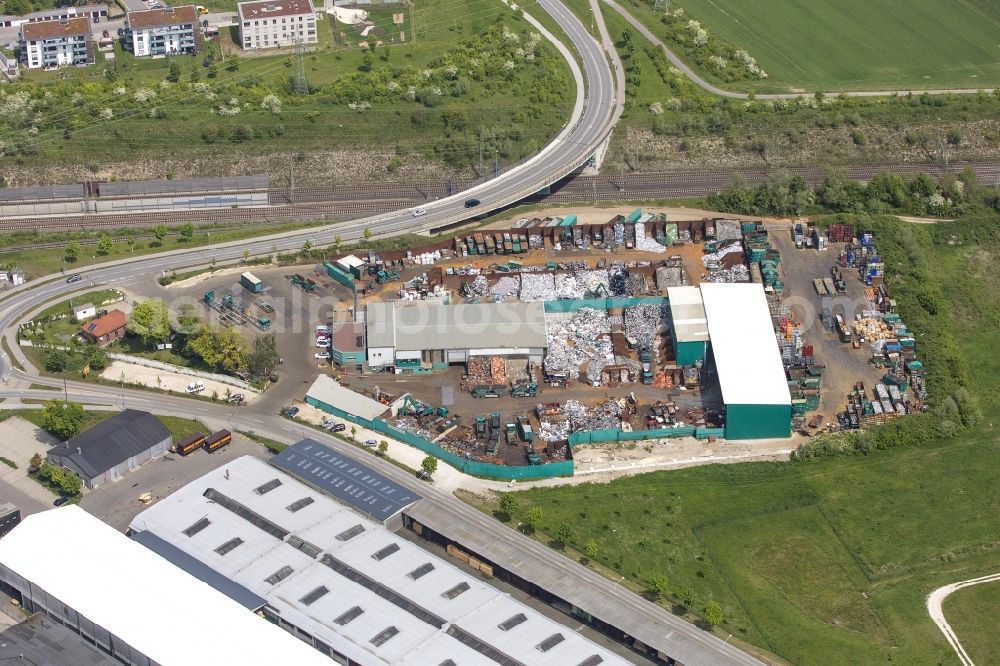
x=84, y=311
x=352, y=265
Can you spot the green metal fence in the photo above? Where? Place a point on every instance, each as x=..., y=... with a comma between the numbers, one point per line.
x=615, y=435
x=501, y=472
x=572, y=305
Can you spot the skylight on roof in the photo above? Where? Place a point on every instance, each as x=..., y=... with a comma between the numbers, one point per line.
x=300, y=504
x=383, y=553
x=267, y=487
x=422, y=570
x=279, y=575
x=197, y=527
x=383, y=636
x=313, y=596
x=457, y=590
x=352, y=614
x=550, y=642
x=227, y=547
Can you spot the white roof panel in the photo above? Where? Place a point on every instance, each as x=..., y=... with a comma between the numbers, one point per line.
x=109, y=578
x=326, y=389
x=744, y=345
x=392, y=587
x=687, y=310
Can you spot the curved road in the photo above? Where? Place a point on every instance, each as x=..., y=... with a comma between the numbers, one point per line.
x=937, y=598
x=593, y=118
x=715, y=90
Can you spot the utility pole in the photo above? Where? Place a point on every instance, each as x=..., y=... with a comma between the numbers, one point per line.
x=496, y=162
x=480, y=158
x=291, y=178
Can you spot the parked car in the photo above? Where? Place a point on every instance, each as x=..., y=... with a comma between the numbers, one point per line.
x=75, y=277
x=339, y=427
x=323, y=342
x=237, y=397
x=472, y=203
x=371, y=443
x=321, y=329
x=60, y=501
x=417, y=212
x=291, y=411
x=195, y=387
x=322, y=355
x=207, y=62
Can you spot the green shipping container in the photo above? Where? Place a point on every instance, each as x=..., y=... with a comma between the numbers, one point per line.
x=758, y=421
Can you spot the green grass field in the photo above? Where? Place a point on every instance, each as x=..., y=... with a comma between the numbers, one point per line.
x=827, y=561
x=862, y=44
x=441, y=94
x=973, y=613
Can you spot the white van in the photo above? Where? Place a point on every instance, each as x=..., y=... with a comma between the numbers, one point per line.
x=195, y=387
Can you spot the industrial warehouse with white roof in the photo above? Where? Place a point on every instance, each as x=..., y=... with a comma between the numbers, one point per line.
x=348, y=585
x=423, y=333
x=751, y=375
x=130, y=601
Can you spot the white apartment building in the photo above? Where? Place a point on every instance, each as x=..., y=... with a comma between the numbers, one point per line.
x=163, y=32
x=275, y=23
x=57, y=43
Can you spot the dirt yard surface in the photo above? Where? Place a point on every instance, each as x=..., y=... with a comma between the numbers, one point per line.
x=173, y=382
x=206, y=276
x=646, y=456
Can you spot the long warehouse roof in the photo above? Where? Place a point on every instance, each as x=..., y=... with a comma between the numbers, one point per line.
x=327, y=389
x=743, y=343
x=368, y=593
x=146, y=601
x=423, y=325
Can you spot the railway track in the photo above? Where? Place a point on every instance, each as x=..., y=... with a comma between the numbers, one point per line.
x=349, y=201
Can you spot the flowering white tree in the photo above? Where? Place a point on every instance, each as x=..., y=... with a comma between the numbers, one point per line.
x=272, y=104
x=717, y=62
x=656, y=109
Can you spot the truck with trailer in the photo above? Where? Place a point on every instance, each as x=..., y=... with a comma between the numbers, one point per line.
x=488, y=391
x=217, y=440
x=524, y=429
x=189, y=444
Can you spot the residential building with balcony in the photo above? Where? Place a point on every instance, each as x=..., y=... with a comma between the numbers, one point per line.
x=276, y=23
x=46, y=44
x=163, y=32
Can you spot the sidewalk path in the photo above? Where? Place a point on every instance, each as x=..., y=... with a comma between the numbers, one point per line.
x=934, y=602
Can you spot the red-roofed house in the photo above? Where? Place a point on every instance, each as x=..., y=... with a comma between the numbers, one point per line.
x=105, y=329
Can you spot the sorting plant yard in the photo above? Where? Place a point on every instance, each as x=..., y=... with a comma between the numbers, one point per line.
x=874, y=46
x=587, y=336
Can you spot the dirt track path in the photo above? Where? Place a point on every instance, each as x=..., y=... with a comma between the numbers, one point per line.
x=934, y=602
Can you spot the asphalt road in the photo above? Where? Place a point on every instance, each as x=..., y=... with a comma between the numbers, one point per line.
x=594, y=113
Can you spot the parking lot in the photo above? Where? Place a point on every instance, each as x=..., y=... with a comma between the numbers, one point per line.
x=117, y=503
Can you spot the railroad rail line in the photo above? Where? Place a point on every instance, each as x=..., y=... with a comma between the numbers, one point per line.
x=349, y=201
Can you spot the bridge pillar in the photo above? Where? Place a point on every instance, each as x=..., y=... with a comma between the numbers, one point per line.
x=593, y=166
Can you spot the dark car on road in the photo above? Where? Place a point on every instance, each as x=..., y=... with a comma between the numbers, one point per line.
x=75, y=277
x=472, y=203
x=60, y=501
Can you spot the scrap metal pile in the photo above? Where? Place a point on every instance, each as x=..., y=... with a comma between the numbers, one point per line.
x=581, y=284
x=644, y=242
x=726, y=230
x=412, y=425
x=506, y=286
x=642, y=322
x=537, y=287
x=478, y=288
x=558, y=421
x=618, y=280
x=484, y=370
x=582, y=340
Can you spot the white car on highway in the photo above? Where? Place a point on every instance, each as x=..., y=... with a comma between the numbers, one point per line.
x=417, y=212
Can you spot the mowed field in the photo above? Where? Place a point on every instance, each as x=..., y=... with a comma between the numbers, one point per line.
x=862, y=44
x=829, y=561
x=973, y=613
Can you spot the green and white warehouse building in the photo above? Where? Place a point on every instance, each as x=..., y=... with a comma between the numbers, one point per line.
x=745, y=349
